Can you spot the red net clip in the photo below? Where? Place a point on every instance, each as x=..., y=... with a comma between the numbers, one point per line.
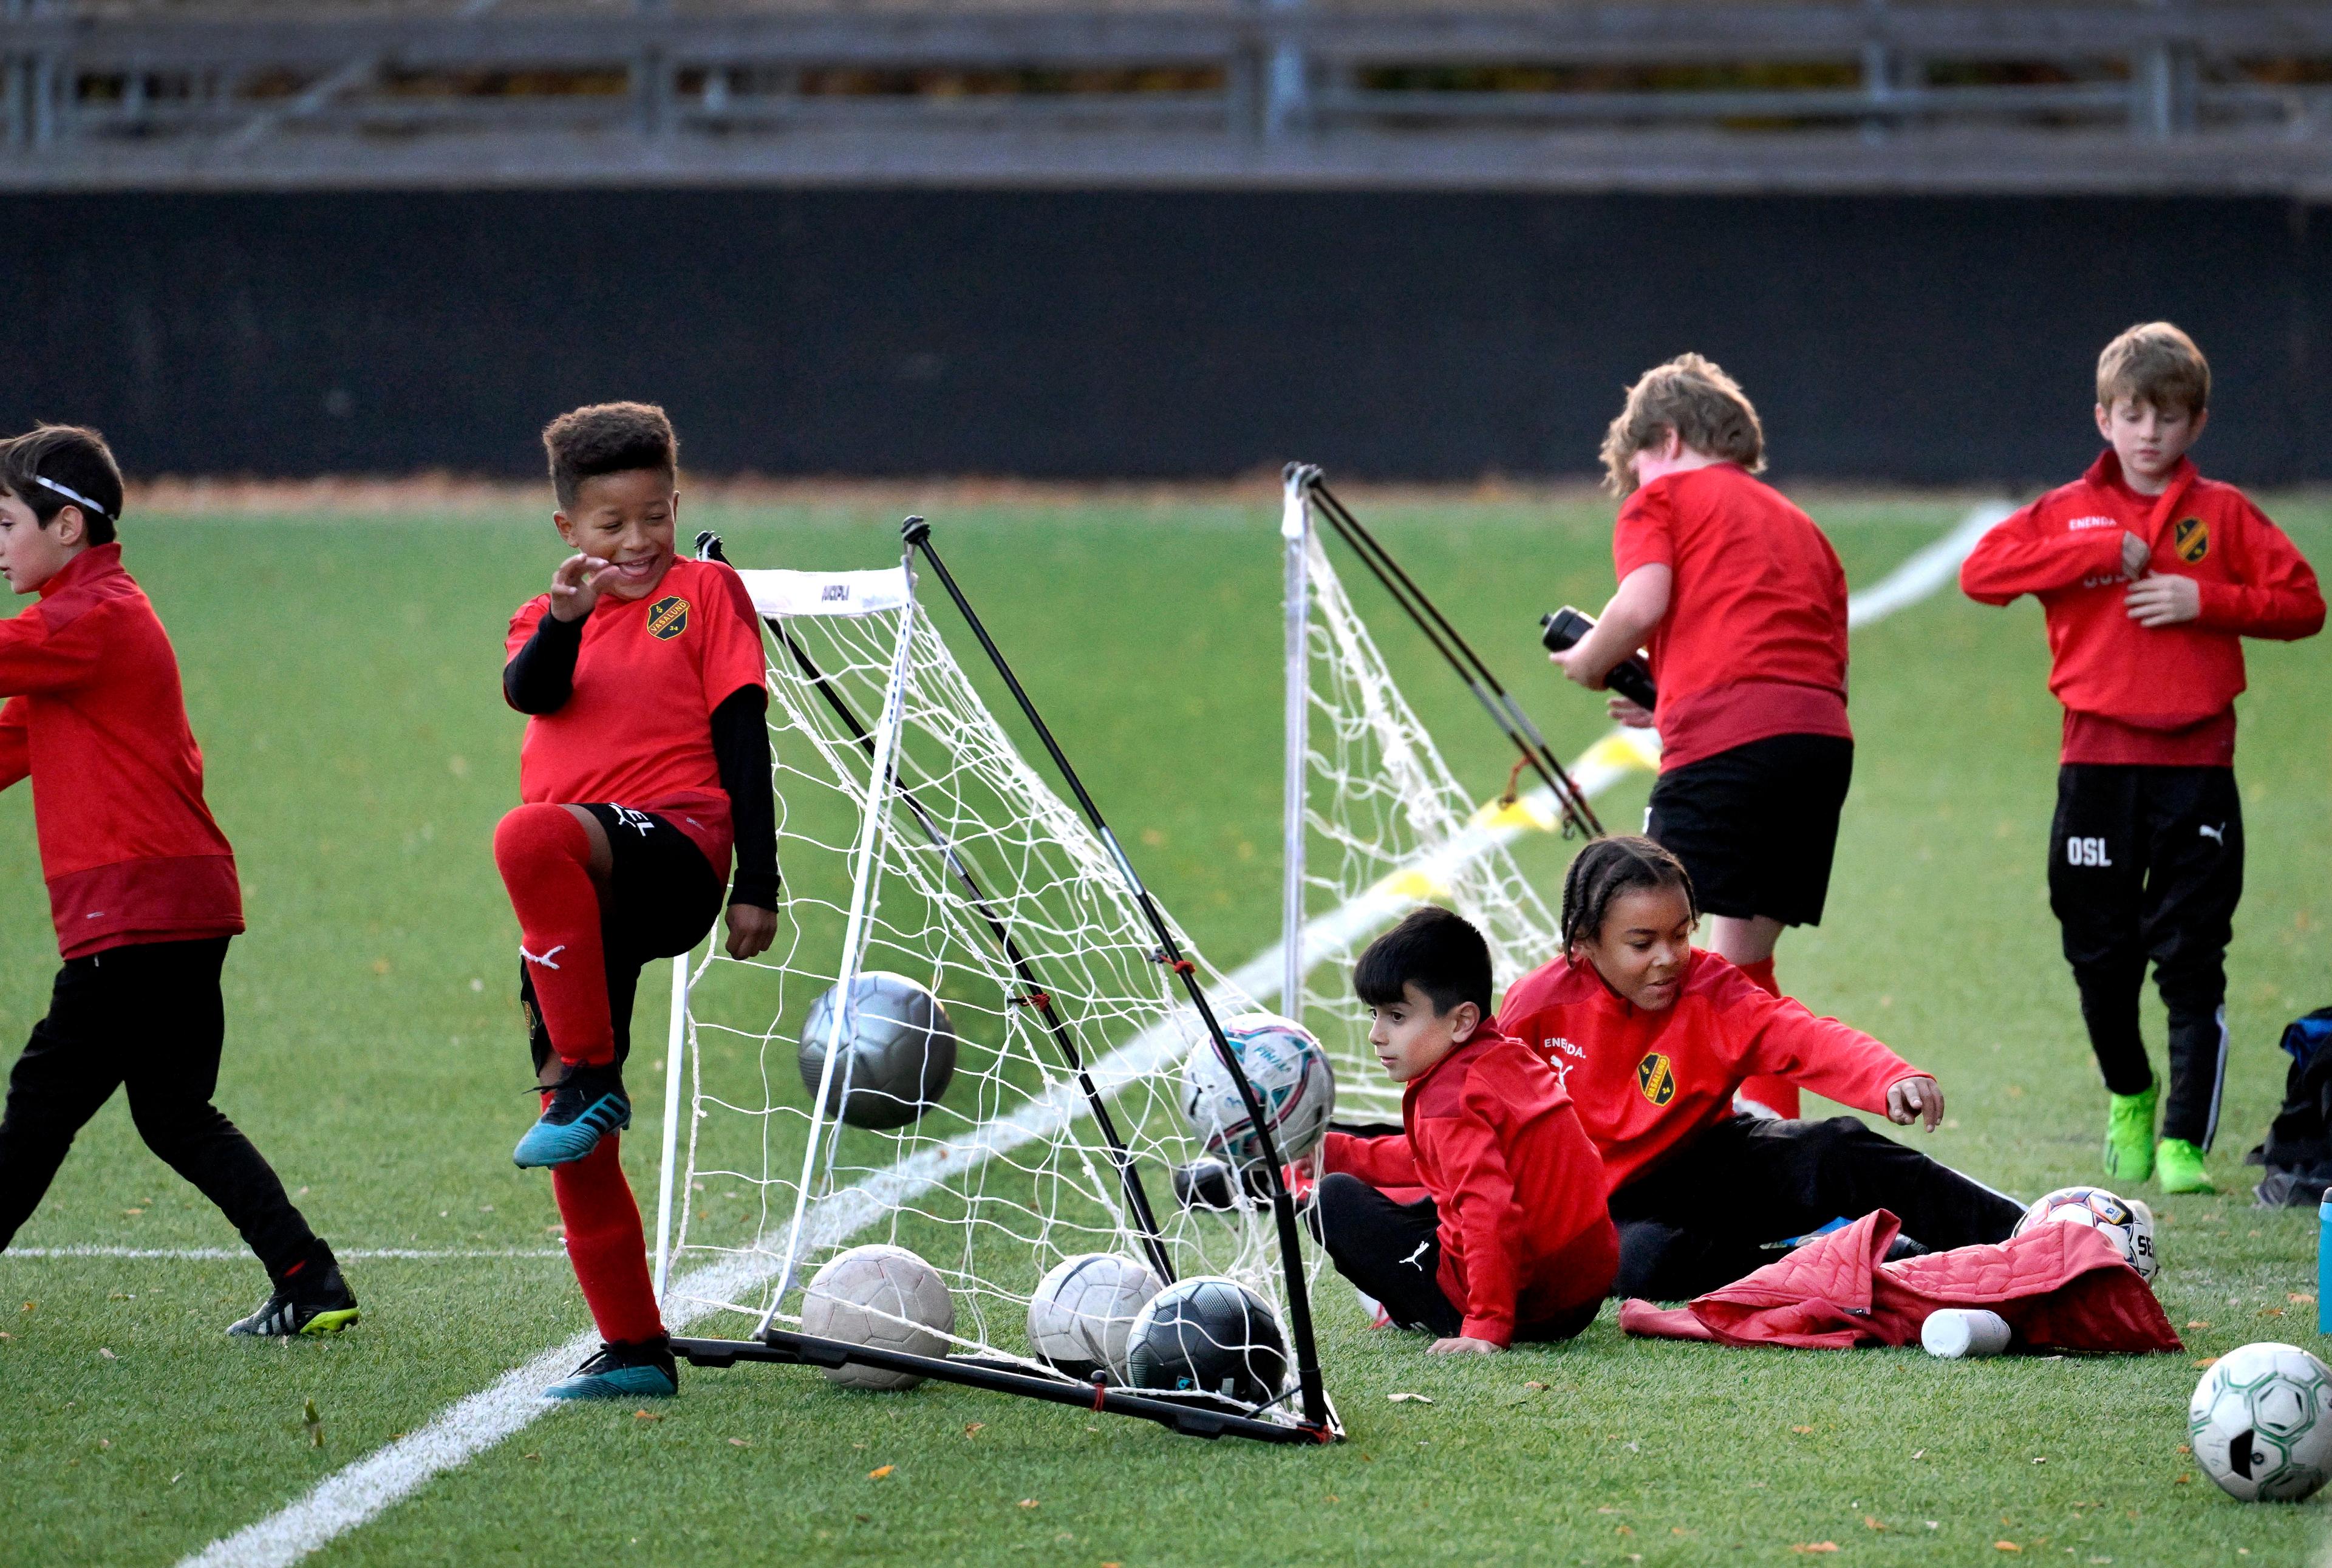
x=1033, y=999
x=1101, y=1388
x=1179, y=965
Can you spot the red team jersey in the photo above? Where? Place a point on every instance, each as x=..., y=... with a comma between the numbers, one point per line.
x=2157, y=695
x=1489, y=1133
x=96, y=717
x=1647, y=1082
x=1754, y=643
x=637, y=730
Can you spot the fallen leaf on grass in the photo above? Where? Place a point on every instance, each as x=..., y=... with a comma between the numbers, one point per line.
x=2182, y=1480
x=1872, y=1522
x=1811, y=1547
x=1533, y=1386
x=1409, y=1398
x=646, y=1416
x=1802, y=1429
x=972, y=1427
x=1918, y=1453
x=314, y=1423
x=739, y=1443
x=1607, y=1510
x=107, y=1353
x=2271, y=1312
x=2299, y=1299
x=2039, y=1458
x=1621, y=1530
x=2198, y=1322
x=1029, y=1502
x=6, y=1335
x=2207, y=1361
x=880, y=1471
x=104, y=1443
x=2006, y=1546
x=173, y=1480
x=2186, y=1447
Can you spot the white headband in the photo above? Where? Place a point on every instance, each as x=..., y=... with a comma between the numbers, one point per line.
x=73, y=495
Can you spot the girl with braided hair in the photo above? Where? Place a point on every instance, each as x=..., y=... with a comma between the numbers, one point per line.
x=1651, y=1035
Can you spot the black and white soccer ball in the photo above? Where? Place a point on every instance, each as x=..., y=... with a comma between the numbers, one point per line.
x=1209, y=1335
x=899, y=1050
x=1291, y=1076
x=2260, y=1423
x=882, y=1297
x=1083, y=1311
x=2125, y=1222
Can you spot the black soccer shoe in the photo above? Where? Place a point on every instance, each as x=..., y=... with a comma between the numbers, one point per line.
x=587, y=1104
x=622, y=1371
x=299, y=1307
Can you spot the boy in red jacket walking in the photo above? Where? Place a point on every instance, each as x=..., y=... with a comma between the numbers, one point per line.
x=1510, y=1240
x=2149, y=576
x=142, y=881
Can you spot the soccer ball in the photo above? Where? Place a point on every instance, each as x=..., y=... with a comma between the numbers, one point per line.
x=2125, y=1222
x=1210, y=1335
x=1290, y=1076
x=898, y=1050
x=881, y=1296
x=2258, y=1423
x=1084, y=1309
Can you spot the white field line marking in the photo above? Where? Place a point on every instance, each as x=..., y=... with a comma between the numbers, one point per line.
x=231, y=1254
x=360, y=1492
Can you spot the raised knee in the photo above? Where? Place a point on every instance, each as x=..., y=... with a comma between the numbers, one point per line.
x=530, y=835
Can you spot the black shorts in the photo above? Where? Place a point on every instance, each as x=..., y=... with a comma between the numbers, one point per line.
x=1756, y=824
x=664, y=896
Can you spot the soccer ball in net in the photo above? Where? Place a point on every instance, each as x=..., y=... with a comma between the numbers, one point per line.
x=1083, y=1311
x=2258, y=1423
x=2124, y=1221
x=1210, y=1334
x=1291, y=1077
x=885, y=1297
x=898, y=1050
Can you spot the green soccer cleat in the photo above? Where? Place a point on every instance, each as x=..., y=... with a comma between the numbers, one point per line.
x=327, y=1306
x=2179, y=1165
x=622, y=1371
x=2130, y=1136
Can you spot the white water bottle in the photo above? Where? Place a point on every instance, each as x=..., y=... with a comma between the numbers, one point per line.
x=1964, y=1333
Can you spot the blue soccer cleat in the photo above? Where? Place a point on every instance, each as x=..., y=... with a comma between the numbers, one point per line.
x=622, y=1371
x=587, y=1104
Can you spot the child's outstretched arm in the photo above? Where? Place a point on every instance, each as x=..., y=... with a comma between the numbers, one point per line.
x=1834, y=1059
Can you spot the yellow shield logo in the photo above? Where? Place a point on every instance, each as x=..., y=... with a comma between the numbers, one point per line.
x=2192, y=539
x=1656, y=1078
x=668, y=617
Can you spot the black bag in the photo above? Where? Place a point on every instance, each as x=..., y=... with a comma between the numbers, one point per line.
x=2298, y=1152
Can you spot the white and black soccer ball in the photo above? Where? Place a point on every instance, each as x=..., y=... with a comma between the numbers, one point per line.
x=2260, y=1423
x=881, y=1296
x=1291, y=1076
x=1083, y=1311
x=2125, y=1222
x=898, y=1050
x=1209, y=1335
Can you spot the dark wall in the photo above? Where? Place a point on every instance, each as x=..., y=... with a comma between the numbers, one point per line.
x=1140, y=334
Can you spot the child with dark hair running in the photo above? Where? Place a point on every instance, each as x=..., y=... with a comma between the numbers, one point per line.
x=142, y=881
x=1510, y=1240
x=647, y=758
x=1651, y=1035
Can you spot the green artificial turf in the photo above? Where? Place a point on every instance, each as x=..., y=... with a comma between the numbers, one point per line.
x=341, y=673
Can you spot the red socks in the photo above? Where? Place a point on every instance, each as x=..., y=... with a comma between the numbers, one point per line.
x=606, y=1245
x=545, y=858
x=1774, y=1093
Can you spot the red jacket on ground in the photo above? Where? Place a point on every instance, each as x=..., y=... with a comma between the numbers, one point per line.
x=1489, y=1133
x=2060, y=1286
x=96, y=718
x=2148, y=694
x=1647, y=1082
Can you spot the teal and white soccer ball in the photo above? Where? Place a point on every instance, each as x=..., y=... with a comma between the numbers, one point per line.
x=2260, y=1423
x=1291, y=1077
x=2125, y=1222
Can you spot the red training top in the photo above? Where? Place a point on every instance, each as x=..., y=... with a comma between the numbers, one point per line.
x=636, y=729
x=2158, y=696
x=1524, y=1232
x=96, y=718
x=1753, y=644
x=1646, y=1082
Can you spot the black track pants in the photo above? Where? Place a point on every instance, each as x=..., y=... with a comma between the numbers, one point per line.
x=1704, y=1216
x=146, y=1017
x=2146, y=864
x=1393, y=1251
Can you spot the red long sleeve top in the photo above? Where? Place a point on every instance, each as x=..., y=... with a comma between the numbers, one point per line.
x=2162, y=695
x=1646, y=1082
x=96, y=718
x=1525, y=1235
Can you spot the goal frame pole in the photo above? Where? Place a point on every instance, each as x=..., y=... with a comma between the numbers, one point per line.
x=1295, y=532
x=917, y=533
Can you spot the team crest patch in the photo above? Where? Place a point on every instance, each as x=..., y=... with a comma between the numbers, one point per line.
x=668, y=617
x=1656, y=1078
x=2192, y=537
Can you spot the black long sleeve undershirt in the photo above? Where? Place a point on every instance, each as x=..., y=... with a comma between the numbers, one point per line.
x=541, y=676
x=741, y=750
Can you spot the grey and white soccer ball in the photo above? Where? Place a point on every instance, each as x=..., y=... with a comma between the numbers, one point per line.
x=2260, y=1423
x=883, y=1296
x=1084, y=1308
x=898, y=1050
x=1209, y=1335
x=2125, y=1222
x=1291, y=1077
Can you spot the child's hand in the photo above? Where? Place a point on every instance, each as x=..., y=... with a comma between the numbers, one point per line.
x=2134, y=554
x=751, y=928
x=1574, y=668
x=1458, y=1345
x=1633, y=715
x=2163, y=600
x=1916, y=1099
x=576, y=585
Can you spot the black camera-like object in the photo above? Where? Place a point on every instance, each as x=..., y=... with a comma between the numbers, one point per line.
x=1630, y=677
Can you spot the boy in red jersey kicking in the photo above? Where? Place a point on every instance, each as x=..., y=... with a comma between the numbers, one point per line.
x=1652, y=1037
x=1744, y=603
x=646, y=758
x=1510, y=1240
x=142, y=881
x=2150, y=576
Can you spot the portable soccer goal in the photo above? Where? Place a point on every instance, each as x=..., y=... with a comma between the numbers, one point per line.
x=921, y=850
